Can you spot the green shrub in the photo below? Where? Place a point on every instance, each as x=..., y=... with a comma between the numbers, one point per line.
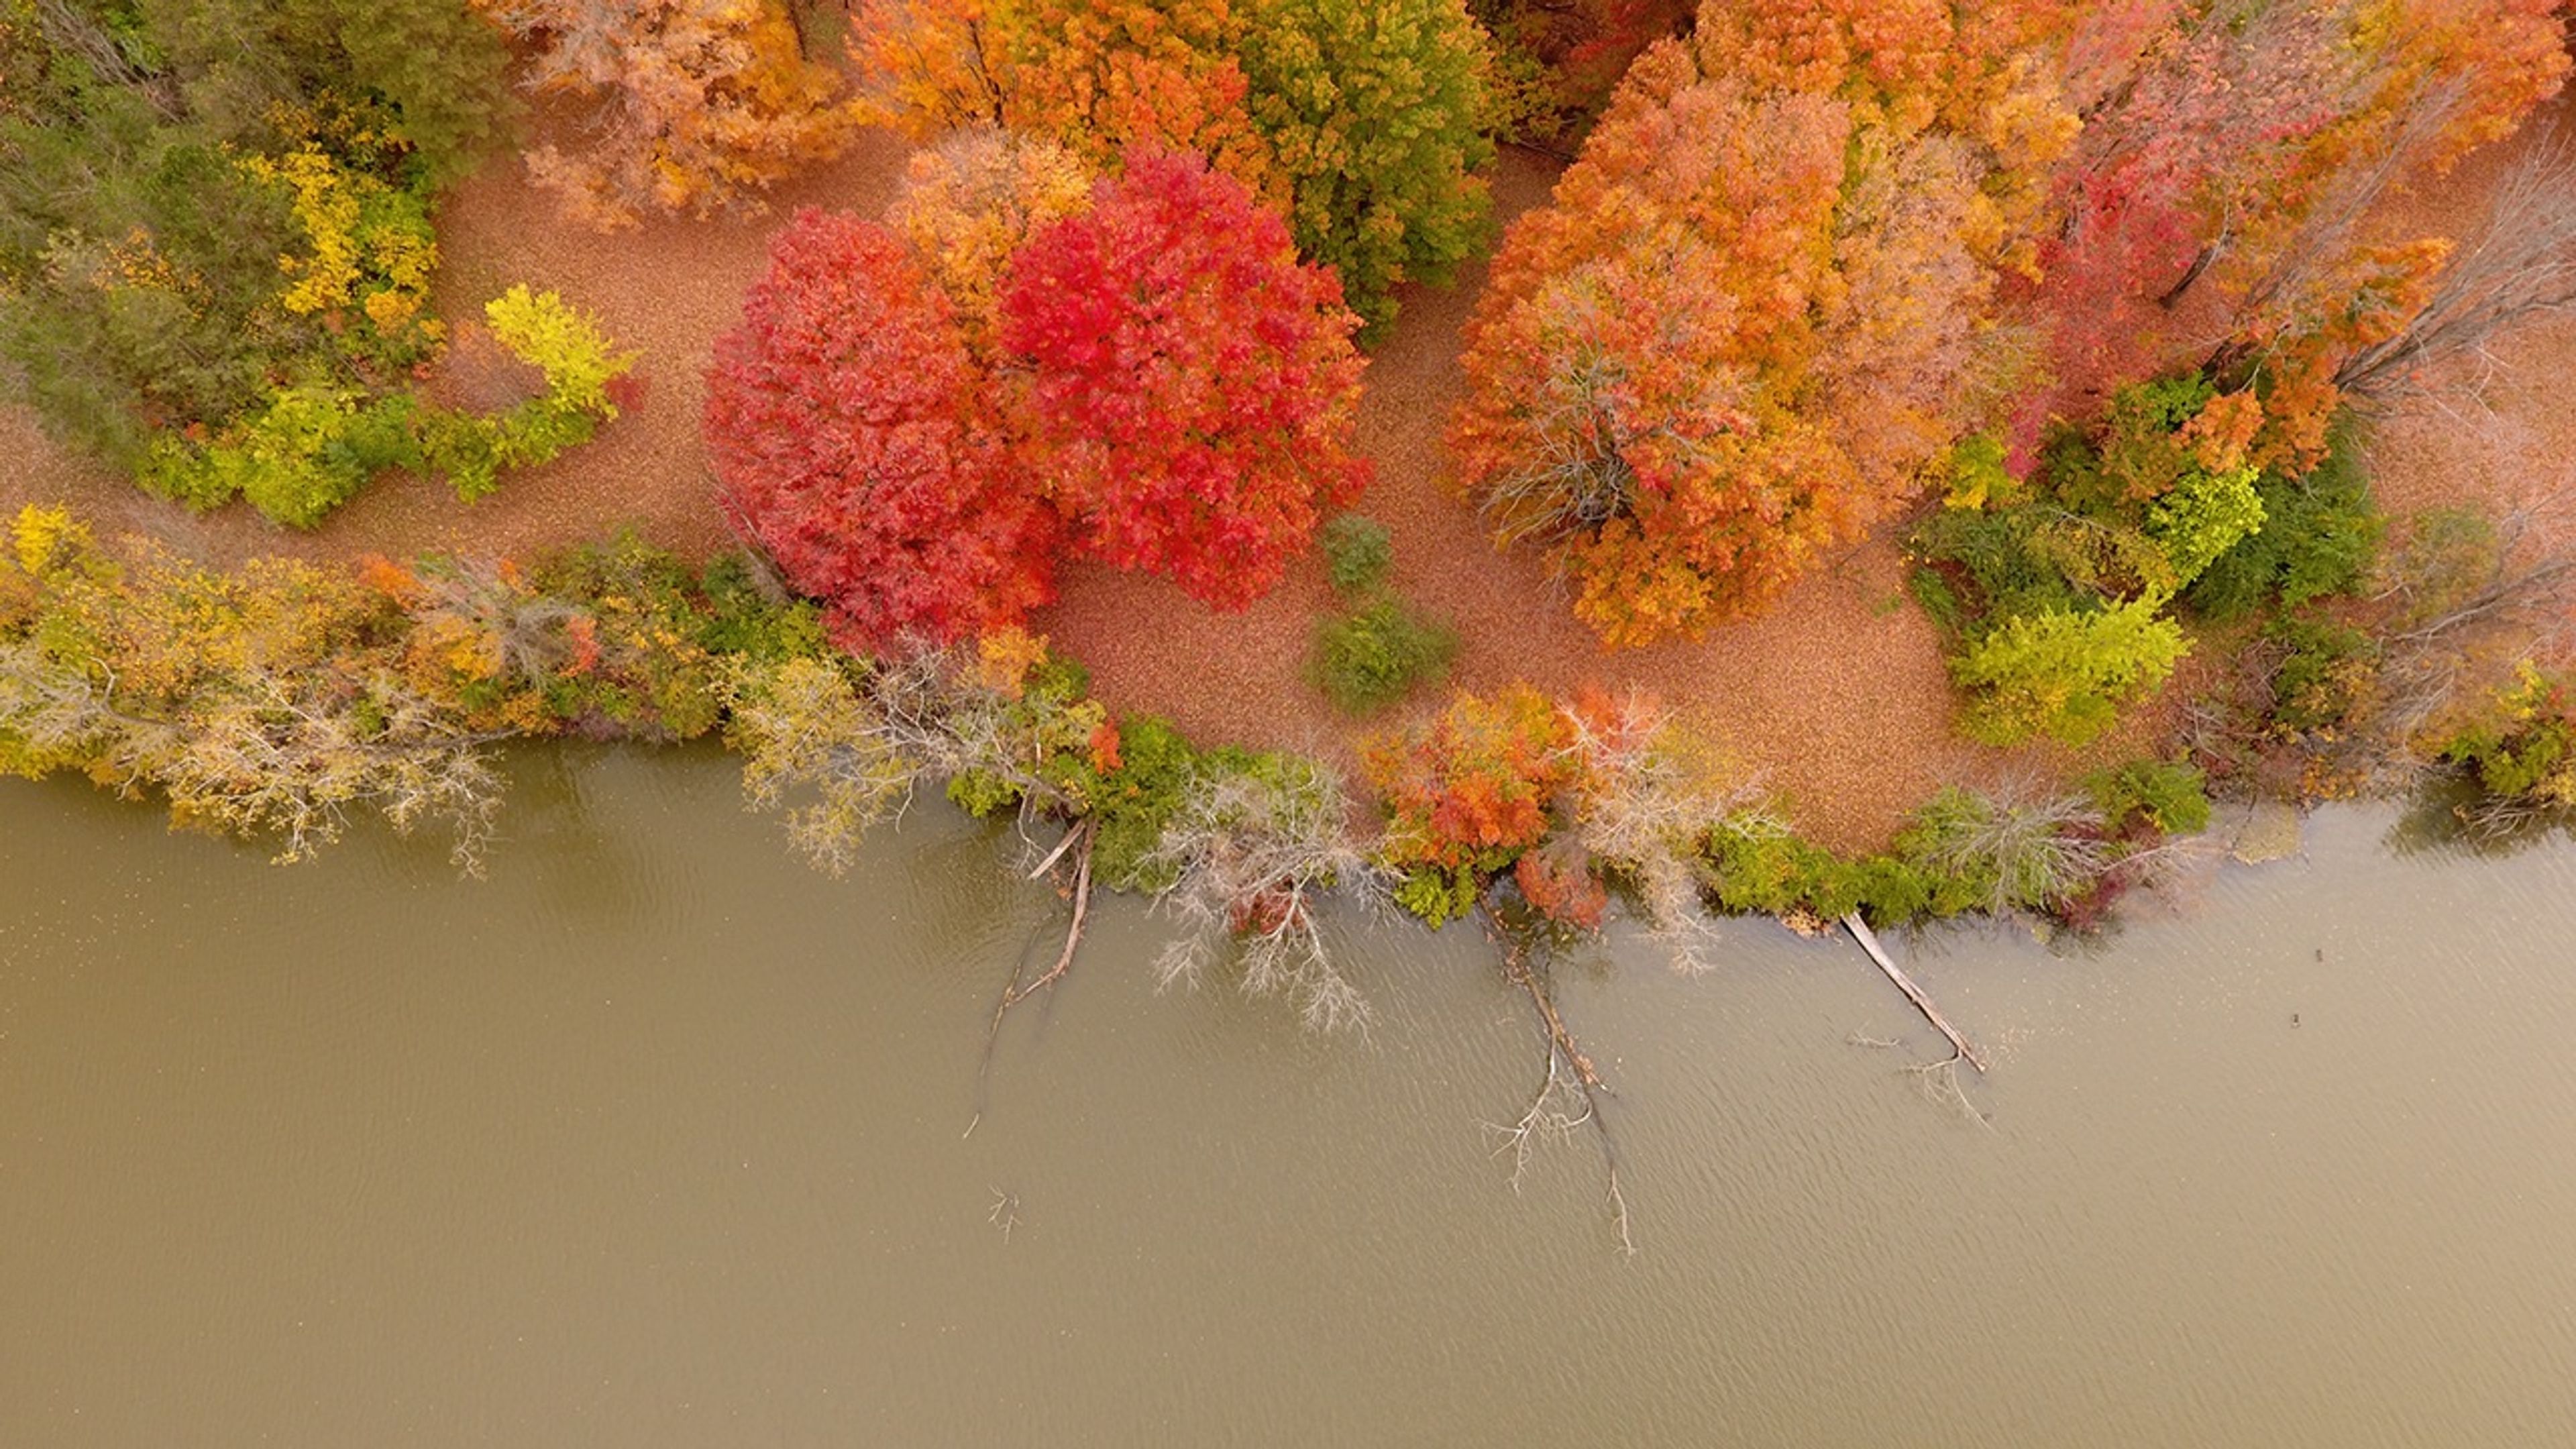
x=1375, y=657
x=1997, y=554
x=1130, y=803
x=2064, y=675
x=1358, y=551
x=1757, y=866
x=2320, y=534
x=2328, y=672
x=317, y=444
x=1887, y=890
x=1438, y=895
x=296, y=461
x=2171, y=796
x=743, y=619
x=2138, y=452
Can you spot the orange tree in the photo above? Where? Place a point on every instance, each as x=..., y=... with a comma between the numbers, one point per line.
x=1466, y=792
x=1097, y=76
x=1750, y=316
x=849, y=431
x=690, y=103
x=1187, y=386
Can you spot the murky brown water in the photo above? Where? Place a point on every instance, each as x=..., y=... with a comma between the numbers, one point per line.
x=656, y=1139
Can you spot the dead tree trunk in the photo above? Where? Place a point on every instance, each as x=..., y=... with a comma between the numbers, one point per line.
x=1869, y=942
x=1014, y=991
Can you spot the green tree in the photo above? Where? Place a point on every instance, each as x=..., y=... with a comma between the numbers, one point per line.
x=1377, y=111
x=198, y=200
x=2065, y=673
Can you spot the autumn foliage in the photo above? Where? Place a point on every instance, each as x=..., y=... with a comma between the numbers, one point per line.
x=1153, y=378
x=688, y=105
x=1466, y=791
x=1561, y=58
x=969, y=205
x=1819, y=244
x=1363, y=121
x=1191, y=386
x=1097, y=76
x=2234, y=155
x=853, y=443
x=1747, y=319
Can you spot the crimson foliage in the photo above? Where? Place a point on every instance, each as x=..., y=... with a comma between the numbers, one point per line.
x=1190, y=387
x=848, y=430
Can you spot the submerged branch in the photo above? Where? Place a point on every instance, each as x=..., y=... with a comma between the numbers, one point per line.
x=1568, y=1096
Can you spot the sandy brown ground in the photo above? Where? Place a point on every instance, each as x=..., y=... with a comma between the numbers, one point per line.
x=1837, y=698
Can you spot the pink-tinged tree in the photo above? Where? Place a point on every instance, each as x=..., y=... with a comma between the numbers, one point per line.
x=2230, y=149
x=1189, y=387
x=849, y=432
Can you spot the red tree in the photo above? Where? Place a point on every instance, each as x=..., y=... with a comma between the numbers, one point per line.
x=845, y=423
x=1190, y=386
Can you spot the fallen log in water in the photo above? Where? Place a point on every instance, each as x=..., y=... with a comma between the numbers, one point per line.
x=1869, y=942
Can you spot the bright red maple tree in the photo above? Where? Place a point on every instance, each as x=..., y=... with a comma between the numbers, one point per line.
x=851, y=436
x=1189, y=387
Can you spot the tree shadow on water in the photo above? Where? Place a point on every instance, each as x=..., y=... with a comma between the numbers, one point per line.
x=2449, y=815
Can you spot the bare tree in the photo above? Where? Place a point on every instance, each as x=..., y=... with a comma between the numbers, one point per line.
x=1249, y=854
x=2468, y=592
x=2033, y=845
x=1649, y=794
x=2520, y=265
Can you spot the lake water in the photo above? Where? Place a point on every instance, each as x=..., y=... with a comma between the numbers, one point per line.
x=657, y=1138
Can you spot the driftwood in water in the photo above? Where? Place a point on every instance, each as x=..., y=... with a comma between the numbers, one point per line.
x=1015, y=991
x=1516, y=966
x=1869, y=942
x=1569, y=1072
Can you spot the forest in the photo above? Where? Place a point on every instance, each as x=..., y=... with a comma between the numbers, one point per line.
x=1858, y=460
